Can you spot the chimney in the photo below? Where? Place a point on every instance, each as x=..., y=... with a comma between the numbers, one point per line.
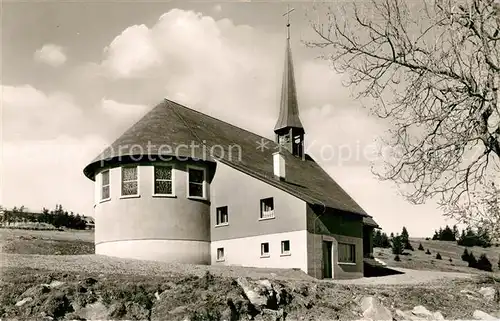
x=279, y=165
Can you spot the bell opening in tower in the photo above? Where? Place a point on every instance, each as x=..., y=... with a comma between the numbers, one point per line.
x=298, y=145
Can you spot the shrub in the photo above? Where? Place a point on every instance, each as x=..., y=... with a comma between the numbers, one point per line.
x=428, y=252
x=472, y=260
x=438, y=256
x=396, y=258
x=450, y=259
x=397, y=245
x=499, y=261
x=408, y=246
x=465, y=256
x=420, y=247
x=484, y=264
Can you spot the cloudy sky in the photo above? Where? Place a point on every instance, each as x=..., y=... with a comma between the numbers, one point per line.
x=75, y=75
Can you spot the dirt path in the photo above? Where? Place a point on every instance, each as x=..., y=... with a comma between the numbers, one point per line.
x=409, y=277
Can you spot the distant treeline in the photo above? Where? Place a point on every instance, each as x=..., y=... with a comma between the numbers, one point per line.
x=467, y=237
x=57, y=217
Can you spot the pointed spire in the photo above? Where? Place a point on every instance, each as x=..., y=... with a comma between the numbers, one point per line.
x=289, y=109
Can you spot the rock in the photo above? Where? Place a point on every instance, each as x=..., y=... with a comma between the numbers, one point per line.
x=401, y=315
x=35, y=291
x=23, y=301
x=374, y=310
x=135, y=311
x=226, y=315
x=54, y=284
x=438, y=316
x=93, y=311
x=157, y=296
x=419, y=313
x=487, y=292
x=89, y=281
x=57, y=305
x=254, y=294
x=422, y=312
x=271, y=315
x=480, y=315
x=117, y=310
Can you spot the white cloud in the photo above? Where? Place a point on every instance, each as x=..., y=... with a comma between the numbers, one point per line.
x=217, y=8
x=29, y=113
x=40, y=173
x=51, y=54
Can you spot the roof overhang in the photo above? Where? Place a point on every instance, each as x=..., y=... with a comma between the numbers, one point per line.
x=369, y=221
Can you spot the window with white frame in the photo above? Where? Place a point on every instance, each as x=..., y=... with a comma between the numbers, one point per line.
x=220, y=254
x=130, y=182
x=105, y=185
x=347, y=253
x=196, y=182
x=163, y=180
x=264, y=249
x=285, y=247
x=267, y=208
x=222, y=216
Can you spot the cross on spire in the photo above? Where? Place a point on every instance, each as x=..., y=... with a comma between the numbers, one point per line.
x=287, y=14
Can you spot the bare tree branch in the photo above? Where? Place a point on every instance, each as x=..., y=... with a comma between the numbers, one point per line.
x=433, y=69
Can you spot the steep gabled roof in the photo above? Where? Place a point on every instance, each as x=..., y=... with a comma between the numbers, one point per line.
x=170, y=125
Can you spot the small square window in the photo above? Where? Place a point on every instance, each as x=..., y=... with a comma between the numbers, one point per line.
x=264, y=249
x=222, y=216
x=267, y=208
x=285, y=247
x=347, y=253
x=220, y=254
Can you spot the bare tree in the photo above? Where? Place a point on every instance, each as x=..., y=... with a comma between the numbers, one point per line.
x=433, y=70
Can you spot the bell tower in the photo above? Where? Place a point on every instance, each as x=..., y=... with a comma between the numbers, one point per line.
x=289, y=130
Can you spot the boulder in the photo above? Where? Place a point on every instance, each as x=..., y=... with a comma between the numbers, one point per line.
x=23, y=301
x=374, y=310
x=488, y=293
x=35, y=291
x=419, y=313
x=480, y=315
x=257, y=295
x=135, y=311
x=93, y=311
x=54, y=284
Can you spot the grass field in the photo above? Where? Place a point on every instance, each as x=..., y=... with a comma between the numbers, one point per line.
x=46, y=242
x=418, y=260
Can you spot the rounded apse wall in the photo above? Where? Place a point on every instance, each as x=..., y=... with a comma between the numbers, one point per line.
x=169, y=228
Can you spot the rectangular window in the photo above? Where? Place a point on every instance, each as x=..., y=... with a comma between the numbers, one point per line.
x=264, y=249
x=285, y=247
x=196, y=182
x=163, y=180
x=220, y=254
x=222, y=215
x=267, y=208
x=347, y=253
x=105, y=185
x=130, y=184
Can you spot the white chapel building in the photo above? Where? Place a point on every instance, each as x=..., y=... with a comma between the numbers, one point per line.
x=156, y=199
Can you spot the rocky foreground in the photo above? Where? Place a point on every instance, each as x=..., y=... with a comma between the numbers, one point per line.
x=31, y=294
